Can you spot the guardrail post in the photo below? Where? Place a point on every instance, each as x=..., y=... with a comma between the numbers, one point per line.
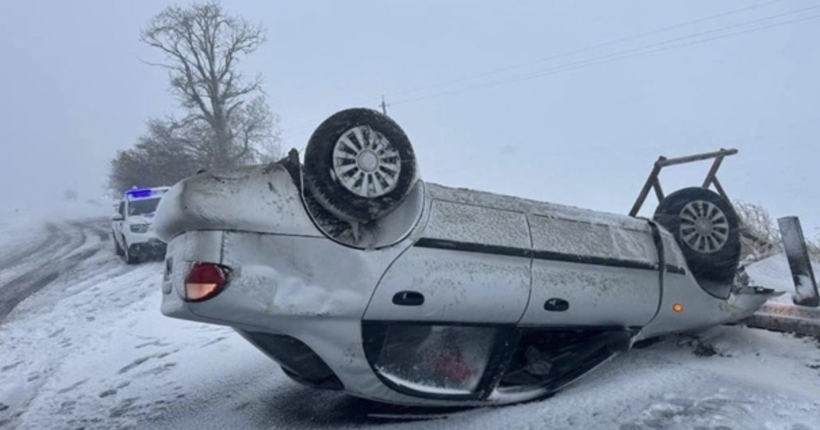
x=794, y=243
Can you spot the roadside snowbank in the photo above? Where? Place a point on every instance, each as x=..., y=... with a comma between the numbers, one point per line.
x=773, y=272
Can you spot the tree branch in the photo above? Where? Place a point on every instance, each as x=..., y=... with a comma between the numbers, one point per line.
x=201, y=48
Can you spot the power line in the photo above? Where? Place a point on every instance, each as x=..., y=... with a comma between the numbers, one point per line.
x=586, y=49
x=621, y=55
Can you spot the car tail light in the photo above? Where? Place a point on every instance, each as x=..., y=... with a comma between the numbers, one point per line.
x=205, y=281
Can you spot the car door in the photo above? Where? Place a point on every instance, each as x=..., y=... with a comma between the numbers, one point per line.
x=117, y=225
x=472, y=265
x=592, y=273
x=444, y=312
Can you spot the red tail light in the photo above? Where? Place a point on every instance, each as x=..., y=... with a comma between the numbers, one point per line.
x=204, y=281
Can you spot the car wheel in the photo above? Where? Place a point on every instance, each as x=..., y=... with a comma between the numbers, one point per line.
x=359, y=165
x=128, y=256
x=117, y=248
x=707, y=230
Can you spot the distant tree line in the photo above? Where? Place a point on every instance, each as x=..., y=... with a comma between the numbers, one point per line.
x=225, y=121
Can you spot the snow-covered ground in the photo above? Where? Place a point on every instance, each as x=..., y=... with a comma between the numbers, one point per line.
x=773, y=272
x=90, y=349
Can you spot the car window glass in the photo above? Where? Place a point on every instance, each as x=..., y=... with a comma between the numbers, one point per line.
x=142, y=207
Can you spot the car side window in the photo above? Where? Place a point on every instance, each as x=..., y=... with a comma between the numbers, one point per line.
x=122, y=209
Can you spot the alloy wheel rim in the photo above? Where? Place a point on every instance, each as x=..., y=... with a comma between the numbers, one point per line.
x=366, y=163
x=704, y=227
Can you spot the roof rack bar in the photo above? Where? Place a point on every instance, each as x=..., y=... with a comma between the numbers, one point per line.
x=653, y=182
x=650, y=182
x=663, y=161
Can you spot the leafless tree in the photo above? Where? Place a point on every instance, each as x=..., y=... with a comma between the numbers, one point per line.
x=156, y=160
x=202, y=47
x=814, y=248
x=760, y=236
x=759, y=233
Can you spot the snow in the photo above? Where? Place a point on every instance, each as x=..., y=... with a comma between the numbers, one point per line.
x=774, y=272
x=476, y=224
x=92, y=350
x=261, y=198
x=794, y=244
x=518, y=204
x=22, y=228
x=457, y=214
x=58, y=209
x=20, y=236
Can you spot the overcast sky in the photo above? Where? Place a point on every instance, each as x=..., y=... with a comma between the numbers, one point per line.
x=75, y=92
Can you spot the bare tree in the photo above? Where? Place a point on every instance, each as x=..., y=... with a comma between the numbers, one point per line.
x=759, y=233
x=202, y=47
x=814, y=248
x=760, y=236
x=157, y=159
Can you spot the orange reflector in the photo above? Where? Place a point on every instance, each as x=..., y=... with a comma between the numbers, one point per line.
x=677, y=307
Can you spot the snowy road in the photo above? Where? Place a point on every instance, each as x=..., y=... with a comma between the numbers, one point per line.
x=88, y=348
x=28, y=266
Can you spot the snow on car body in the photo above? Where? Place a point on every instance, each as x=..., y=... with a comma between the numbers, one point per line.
x=131, y=227
x=449, y=297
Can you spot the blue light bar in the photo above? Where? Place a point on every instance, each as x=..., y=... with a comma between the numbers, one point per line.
x=139, y=193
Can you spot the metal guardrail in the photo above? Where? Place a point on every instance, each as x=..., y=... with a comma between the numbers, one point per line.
x=782, y=317
x=797, y=253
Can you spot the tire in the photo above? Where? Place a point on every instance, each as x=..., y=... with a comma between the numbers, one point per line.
x=359, y=182
x=128, y=256
x=117, y=248
x=707, y=230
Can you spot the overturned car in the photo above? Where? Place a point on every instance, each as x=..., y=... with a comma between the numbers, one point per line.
x=354, y=274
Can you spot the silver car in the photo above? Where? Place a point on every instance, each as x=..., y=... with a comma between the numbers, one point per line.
x=354, y=274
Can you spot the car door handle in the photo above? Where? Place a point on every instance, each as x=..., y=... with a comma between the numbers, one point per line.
x=408, y=298
x=556, y=304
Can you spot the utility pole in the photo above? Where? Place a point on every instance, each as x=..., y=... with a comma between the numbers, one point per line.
x=384, y=106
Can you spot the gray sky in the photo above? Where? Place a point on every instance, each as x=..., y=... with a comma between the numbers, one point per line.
x=75, y=92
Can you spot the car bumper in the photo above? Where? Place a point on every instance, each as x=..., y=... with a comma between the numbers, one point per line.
x=153, y=248
x=281, y=292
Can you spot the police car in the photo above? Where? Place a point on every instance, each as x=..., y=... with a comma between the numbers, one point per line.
x=131, y=226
